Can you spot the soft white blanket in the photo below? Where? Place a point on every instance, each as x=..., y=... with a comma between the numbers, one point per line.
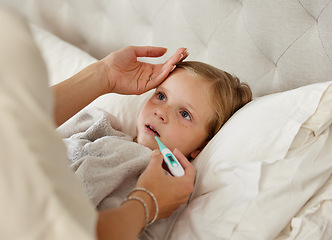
x=106, y=160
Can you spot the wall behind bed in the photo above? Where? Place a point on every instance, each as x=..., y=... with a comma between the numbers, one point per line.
x=274, y=45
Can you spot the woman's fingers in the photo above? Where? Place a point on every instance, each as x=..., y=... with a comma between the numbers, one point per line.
x=149, y=51
x=178, y=56
x=169, y=65
x=187, y=166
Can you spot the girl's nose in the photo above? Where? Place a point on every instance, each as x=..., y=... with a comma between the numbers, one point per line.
x=162, y=114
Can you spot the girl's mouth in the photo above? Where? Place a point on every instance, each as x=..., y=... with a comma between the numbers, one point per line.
x=152, y=129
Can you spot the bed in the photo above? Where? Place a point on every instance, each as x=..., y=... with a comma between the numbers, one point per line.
x=267, y=173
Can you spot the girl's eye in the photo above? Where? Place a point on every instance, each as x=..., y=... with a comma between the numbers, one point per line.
x=186, y=115
x=161, y=96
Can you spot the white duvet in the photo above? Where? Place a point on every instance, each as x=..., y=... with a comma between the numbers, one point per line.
x=267, y=173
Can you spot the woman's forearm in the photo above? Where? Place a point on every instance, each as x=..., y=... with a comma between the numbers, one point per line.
x=75, y=93
x=126, y=221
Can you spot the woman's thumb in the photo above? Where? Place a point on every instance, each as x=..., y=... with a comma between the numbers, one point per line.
x=156, y=158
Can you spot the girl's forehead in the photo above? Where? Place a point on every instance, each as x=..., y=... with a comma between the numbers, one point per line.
x=184, y=78
x=189, y=90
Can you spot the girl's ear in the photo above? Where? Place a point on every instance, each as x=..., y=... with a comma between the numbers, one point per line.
x=195, y=153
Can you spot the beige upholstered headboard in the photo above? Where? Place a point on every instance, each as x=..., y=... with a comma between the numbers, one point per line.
x=274, y=45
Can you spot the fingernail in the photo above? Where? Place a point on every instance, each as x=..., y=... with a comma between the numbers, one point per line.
x=181, y=56
x=156, y=151
x=173, y=68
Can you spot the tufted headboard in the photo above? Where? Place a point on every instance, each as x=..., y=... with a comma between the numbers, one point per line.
x=274, y=45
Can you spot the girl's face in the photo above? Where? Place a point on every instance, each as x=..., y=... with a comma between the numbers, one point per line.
x=178, y=113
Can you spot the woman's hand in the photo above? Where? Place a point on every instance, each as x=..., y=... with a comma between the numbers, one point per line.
x=170, y=192
x=119, y=72
x=127, y=221
x=126, y=75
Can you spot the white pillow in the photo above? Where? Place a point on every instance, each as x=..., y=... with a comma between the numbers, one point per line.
x=246, y=160
x=62, y=59
x=125, y=108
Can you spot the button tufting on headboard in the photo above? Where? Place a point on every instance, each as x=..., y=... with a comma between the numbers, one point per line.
x=273, y=45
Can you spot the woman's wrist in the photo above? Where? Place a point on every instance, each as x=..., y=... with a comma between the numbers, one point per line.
x=149, y=203
x=150, y=200
x=105, y=77
x=98, y=78
x=137, y=211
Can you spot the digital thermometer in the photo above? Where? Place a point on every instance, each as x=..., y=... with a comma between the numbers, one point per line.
x=171, y=161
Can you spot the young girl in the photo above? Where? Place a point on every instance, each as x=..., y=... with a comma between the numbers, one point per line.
x=185, y=112
x=190, y=107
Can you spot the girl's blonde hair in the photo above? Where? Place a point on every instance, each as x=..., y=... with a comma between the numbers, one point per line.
x=228, y=94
